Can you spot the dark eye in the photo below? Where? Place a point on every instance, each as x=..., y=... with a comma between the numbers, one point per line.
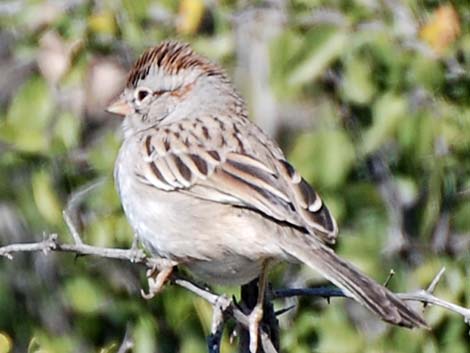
x=141, y=93
x=159, y=93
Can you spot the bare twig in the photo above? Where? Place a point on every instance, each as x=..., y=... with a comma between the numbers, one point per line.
x=73, y=203
x=389, y=277
x=218, y=321
x=435, y=281
x=52, y=244
x=266, y=343
x=208, y=296
x=127, y=343
x=45, y=246
x=229, y=307
x=424, y=296
x=72, y=228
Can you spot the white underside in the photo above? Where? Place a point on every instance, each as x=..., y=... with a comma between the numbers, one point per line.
x=218, y=243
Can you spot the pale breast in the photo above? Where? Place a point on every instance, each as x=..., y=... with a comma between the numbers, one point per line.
x=218, y=242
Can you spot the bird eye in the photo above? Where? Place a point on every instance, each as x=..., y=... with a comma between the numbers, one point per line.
x=141, y=94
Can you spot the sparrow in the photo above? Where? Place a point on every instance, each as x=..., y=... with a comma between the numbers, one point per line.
x=204, y=187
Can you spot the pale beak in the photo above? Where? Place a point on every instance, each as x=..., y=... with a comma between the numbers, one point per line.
x=120, y=107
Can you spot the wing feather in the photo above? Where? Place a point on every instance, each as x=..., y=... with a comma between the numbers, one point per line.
x=247, y=176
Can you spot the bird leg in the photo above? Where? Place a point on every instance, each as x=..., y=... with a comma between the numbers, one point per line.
x=156, y=278
x=256, y=314
x=136, y=253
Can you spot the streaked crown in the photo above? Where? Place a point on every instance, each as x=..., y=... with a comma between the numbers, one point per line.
x=170, y=63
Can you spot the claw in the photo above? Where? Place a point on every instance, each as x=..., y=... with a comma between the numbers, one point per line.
x=156, y=282
x=151, y=271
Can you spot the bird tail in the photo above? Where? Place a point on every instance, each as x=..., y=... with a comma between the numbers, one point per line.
x=355, y=284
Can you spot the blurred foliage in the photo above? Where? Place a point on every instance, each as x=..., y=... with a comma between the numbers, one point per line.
x=387, y=143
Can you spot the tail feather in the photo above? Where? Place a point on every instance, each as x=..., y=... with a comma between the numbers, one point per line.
x=355, y=284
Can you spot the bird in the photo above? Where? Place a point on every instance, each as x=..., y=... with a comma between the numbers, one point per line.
x=203, y=187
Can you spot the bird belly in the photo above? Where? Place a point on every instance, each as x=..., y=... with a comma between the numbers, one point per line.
x=219, y=243
x=232, y=270
x=213, y=241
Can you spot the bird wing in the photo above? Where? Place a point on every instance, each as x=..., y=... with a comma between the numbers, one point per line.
x=227, y=163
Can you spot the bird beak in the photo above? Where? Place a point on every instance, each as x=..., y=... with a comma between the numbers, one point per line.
x=119, y=106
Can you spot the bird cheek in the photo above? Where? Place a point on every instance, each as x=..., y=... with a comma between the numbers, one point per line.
x=159, y=108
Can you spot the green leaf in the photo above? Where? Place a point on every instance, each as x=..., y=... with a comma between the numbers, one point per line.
x=103, y=154
x=192, y=344
x=136, y=9
x=432, y=207
x=282, y=53
x=342, y=338
x=110, y=348
x=324, y=157
x=388, y=111
x=84, y=295
x=416, y=134
x=144, y=335
x=461, y=218
x=44, y=342
x=28, y=117
x=45, y=197
x=426, y=72
x=357, y=85
x=325, y=44
x=67, y=130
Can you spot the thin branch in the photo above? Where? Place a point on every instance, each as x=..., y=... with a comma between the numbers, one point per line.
x=208, y=296
x=45, y=246
x=322, y=292
x=424, y=296
x=52, y=244
x=230, y=308
x=266, y=343
x=435, y=281
x=218, y=322
x=74, y=201
x=71, y=227
x=127, y=343
x=389, y=277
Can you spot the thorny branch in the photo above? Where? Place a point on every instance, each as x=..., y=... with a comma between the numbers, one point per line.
x=223, y=306
x=424, y=296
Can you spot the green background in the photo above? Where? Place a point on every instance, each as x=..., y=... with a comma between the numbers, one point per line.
x=370, y=100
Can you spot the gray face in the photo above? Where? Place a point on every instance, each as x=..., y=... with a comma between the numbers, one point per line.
x=144, y=100
x=163, y=98
x=156, y=97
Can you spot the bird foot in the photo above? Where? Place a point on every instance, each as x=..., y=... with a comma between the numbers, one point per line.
x=156, y=280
